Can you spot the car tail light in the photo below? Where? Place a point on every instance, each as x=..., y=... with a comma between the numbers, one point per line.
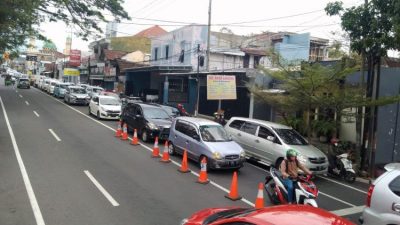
x=369, y=195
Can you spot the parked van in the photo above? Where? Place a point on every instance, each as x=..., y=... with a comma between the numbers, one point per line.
x=268, y=143
x=205, y=139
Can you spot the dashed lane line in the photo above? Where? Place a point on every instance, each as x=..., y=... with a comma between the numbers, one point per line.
x=31, y=194
x=26, y=102
x=147, y=148
x=101, y=189
x=37, y=114
x=20, y=96
x=54, y=134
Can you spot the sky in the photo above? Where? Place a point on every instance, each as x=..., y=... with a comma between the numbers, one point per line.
x=279, y=15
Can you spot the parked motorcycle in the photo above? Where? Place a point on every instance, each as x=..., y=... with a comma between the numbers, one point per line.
x=341, y=166
x=305, y=191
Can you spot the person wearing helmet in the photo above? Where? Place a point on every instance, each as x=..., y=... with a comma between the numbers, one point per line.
x=289, y=169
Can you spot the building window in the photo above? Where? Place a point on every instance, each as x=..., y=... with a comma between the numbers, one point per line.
x=256, y=61
x=246, y=61
x=155, y=54
x=166, y=52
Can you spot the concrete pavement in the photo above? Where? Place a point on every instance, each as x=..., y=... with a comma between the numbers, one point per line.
x=147, y=192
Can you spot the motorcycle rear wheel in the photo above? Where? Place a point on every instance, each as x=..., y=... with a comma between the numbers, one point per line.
x=349, y=177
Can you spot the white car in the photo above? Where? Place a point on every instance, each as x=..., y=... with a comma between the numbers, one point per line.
x=46, y=84
x=52, y=85
x=383, y=199
x=105, y=107
x=93, y=90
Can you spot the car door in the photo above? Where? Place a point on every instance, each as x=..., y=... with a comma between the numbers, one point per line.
x=194, y=146
x=138, y=120
x=178, y=138
x=247, y=137
x=265, y=147
x=234, y=130
x=94, y=105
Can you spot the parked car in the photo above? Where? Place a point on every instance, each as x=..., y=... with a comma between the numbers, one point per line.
x=76, y=95
x=105, y=107
x=205, y=139
x=268, y=142
x=84, y=86
x=383, y=198
x=59, y=89
x=274, y=215
x=92, y=90
x=112, y=94
x=23, y=83
x=52, y=85
x=46, y=84
x=172, y=111
x=150, y=121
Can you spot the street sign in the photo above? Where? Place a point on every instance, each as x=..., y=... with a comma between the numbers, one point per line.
x=75, y=58
x=221, y=87
x=71, y=72
x=31, y=58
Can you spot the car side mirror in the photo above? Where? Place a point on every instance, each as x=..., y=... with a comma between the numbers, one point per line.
x=271, y=138
x=196, y=137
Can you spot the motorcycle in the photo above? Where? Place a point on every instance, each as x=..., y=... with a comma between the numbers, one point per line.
x=339, y=163
x=305, y=190
x=342, y=167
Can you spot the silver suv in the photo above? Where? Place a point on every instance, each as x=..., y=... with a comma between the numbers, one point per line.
x=204, y=138
x=383, y=198
x=268, y=143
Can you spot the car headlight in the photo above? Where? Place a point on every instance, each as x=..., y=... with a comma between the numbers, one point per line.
x=216, y=155
x=302, y=159
x=242, y=154
x=184, y=221
x=152, y=126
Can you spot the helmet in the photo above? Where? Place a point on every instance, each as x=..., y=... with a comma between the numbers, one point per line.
x=291, y=152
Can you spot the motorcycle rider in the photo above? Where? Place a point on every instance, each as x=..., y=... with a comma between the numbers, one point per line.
x=289, y=169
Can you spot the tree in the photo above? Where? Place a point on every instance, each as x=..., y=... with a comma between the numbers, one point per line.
x=20, y=19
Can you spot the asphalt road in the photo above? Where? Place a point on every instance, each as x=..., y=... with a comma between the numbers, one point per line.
x=79, y=173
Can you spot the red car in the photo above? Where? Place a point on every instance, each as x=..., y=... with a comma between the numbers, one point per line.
x=275, y=215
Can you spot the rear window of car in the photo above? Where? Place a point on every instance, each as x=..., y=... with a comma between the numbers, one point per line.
x=236, y=124
x=394, y=186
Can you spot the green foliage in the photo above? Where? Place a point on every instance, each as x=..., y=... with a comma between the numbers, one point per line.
x=130, y=44
x=20, y=19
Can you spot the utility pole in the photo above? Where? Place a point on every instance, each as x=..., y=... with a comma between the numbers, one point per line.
x=208, y=36
x=196, y=112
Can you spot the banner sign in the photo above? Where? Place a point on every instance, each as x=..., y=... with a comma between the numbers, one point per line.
x=75, y=58
x=221, y=87
x=71, y=72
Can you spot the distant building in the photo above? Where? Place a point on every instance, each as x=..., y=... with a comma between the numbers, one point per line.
x=111, y=29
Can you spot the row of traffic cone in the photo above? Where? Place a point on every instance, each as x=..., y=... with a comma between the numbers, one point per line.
x=203, y=177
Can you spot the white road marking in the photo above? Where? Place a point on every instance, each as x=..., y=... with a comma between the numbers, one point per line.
x=345, y=185
x=101, y=189
x=37, y=114
x=349, y=211
x=26, y=102
x=31, y=194
x=148, y=148
x=55, y=135
x=20, y=96
x=334, y=198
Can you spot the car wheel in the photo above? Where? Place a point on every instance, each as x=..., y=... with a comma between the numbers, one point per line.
x=65, y=100
x=98, y=115
x=144, y=135
x=171, y=149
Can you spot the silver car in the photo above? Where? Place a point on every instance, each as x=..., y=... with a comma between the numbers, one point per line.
x=76, y=95
x=205, y=139
x=383, y=198
x=268, y=142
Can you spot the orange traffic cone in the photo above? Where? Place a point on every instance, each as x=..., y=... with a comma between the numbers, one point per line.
x=184, y=166
x=118, y=133
x=203, y=178
x=156, y=149
x=234, y=194
x=260, y=197
x=124, y=135
x=165, y=157
x=135, y=140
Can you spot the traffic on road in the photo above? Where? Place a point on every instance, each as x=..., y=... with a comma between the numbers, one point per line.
x=61, y=140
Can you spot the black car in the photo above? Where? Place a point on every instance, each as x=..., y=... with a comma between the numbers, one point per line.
x=150, y=121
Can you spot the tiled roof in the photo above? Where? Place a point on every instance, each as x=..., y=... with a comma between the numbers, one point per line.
x=153, y=31
x=112, y=54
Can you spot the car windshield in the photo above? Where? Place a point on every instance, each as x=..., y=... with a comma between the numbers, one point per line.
x=155, y=113
x=109, y=101
x=78, y=91
x=214, y=133
x=171, y=111
x=291, y=137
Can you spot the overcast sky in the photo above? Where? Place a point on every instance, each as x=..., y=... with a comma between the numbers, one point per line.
x=278, y=15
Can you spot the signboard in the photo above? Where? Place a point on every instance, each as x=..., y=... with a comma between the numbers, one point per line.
x=221, y=87
x=71, y=72
x=31, y=58
x=75, y=58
